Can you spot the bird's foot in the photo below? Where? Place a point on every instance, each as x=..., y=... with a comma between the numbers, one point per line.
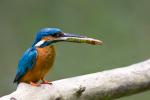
x=34, y=84
x=46, y=82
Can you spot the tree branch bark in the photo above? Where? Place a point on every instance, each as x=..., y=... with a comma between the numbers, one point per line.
x=106, y=85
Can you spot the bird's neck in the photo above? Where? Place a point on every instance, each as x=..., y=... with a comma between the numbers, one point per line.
x=49, y=48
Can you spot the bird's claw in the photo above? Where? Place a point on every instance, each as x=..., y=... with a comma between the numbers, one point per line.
x=34, y=84
x=46, y=82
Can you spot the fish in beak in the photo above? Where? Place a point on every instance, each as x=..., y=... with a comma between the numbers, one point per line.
x=78, y=39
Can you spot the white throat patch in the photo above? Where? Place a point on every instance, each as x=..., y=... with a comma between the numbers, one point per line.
x=39, y=43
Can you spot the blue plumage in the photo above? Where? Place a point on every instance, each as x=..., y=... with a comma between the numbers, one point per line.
x=27, y=61
x=45, y=32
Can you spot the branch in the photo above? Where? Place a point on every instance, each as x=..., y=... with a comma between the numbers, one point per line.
x=106, y=85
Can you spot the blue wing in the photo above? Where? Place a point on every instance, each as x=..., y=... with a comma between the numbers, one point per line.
x=27, y=61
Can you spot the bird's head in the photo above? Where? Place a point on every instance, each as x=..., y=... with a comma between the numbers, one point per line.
x=47, y=36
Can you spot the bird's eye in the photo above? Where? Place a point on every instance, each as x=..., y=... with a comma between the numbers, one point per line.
x=57, y=34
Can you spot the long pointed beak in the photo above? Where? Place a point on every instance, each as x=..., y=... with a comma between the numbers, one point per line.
x=78, y=39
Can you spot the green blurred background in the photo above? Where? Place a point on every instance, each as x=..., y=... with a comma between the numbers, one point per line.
x=123, y=25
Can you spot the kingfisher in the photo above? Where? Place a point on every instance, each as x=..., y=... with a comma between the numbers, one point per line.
x=39, y=58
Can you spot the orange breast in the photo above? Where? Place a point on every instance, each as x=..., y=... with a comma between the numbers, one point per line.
x=44, y=62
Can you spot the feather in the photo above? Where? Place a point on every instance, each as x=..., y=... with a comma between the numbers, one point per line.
x=27, y=62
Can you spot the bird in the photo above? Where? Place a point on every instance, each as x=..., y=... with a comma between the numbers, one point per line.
x=38, y=59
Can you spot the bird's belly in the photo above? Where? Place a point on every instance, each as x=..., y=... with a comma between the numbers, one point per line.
x=44, y=62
